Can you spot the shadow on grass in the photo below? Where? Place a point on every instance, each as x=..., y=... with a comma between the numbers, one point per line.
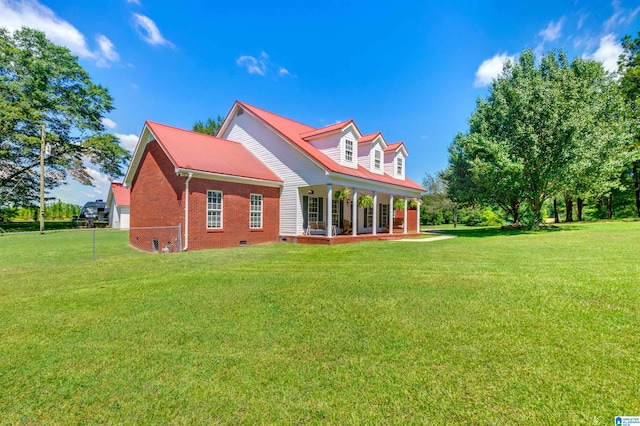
x=495, y=231
x=35, y=226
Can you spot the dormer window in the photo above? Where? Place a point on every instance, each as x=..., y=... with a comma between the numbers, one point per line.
x=348, y=151
x=399, y=166
x=377, y=159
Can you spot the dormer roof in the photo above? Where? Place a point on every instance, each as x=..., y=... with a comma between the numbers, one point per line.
x=397, y=146
x=296, y=133
x=334, y=128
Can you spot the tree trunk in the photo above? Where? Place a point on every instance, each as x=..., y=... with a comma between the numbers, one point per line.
x=636, y=181
x=537, y=206
x=515, y=212
x=556, y=216
x=580, y=204
x=455, y=218
x=610, y=206
x=568, y=203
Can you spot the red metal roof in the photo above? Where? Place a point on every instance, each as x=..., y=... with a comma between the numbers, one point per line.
x=394, y=146
x=120, y=193
x=293, y=131
x=370, y=137
x=198, y=152
x=327, y=129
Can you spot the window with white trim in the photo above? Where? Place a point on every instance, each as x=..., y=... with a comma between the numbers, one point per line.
x=399, y=165
x=348, y=151
x=312, y=214
x=214, y=209
x=384, y=215
x=335, y=213
x=377, y=159
x=255, y=211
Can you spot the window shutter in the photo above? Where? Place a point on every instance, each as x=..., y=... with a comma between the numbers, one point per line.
x=320, y=209
x=341, y=213
x=366, y=217
x=305, y=211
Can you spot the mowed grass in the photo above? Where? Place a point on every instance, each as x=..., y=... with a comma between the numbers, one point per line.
x=498, y=328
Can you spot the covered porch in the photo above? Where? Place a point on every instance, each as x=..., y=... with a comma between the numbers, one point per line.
x=344, y=239
x=341, y=212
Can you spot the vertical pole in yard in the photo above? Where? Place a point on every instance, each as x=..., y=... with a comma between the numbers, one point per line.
x=42, y=149
x=94, y=244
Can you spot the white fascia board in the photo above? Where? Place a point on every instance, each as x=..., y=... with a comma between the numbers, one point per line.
x=352, y=124
x=228, y=178
x=146, y=136
x=371, y=185
x=228, y=119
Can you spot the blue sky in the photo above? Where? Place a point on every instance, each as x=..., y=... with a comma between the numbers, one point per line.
x=410, y=69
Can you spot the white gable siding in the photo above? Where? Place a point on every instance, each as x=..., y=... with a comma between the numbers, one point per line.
x=329, y=145
x=364, y=150
x=389, y=162
x=285, y=160
x=377, y=146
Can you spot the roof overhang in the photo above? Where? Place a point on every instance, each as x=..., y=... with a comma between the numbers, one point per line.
x=227, y=178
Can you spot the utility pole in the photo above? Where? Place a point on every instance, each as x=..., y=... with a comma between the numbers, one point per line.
x=42, y=149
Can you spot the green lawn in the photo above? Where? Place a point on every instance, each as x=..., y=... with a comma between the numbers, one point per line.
x=492, y=327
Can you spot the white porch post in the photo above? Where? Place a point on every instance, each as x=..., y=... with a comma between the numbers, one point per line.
x=404, y=230
x=354, y=213
x=391, y=213
x=375, y=213
x=329, y=216
x=418, y=217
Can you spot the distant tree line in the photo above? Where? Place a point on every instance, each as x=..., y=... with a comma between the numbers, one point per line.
x=54, y=211
x=552, y=137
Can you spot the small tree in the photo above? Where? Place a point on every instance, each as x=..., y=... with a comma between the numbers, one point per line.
x=209, y=127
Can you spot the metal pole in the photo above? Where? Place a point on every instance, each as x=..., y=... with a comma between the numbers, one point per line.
x=94, y=244
x=42, y=149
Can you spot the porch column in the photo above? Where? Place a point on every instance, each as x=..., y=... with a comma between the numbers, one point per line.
x=329, y=215
x=354, y=212
x=418, y=216
x=391, y=213
x=404, y=230
x=375, y=213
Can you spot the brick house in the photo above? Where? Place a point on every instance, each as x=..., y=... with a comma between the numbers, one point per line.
x=267, y=178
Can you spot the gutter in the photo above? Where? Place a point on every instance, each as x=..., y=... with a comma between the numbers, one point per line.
x=186, y=213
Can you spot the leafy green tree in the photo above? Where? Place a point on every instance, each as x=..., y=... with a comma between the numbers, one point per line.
x=43, y=84
x=547, y=127
x=209, y=127
x=629, y=68
x=437, y=206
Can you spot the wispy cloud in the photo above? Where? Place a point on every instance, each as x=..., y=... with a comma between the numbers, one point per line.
x=149, y=32
x=262, y=65
x=620, y=16
x=97, y=176
x=609, y=50
x=136, y=2
x=552, y=31
x=490, y=69
x=128, y=142
x=109, y=123
x=32, y=14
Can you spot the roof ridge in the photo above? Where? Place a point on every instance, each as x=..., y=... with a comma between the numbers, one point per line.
x=276, y=114
x=190, y=131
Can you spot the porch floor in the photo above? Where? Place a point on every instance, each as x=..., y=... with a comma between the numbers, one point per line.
x=345, y=239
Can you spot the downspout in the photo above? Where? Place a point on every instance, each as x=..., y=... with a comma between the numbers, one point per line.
x=186, y=213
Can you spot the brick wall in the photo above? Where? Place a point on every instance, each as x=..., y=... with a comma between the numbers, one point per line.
x=157, y=199
x=412, y=218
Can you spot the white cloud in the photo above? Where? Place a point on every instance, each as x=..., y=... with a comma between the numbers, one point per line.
x=109, y=123
x=136, y=2
x=582, y=20
x=29, y=13
x=608, y=52
x=552, y=31
x=490, y=69
x=620, y=16
x=128, y=142
x=107, y=52
x=262, y=65
x=97, y=176
x=253, y=65
x=148, y=30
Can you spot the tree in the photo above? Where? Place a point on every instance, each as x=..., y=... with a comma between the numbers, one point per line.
x=436, y=202
x=209, y=127
x=547, y=127
x=629, y=68
x=41, y=83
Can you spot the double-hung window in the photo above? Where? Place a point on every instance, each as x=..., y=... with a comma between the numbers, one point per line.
x=255, y=219
x=335, y=213
x=348, y=151
x=384, y=215
x=376, y=160
x=214, y=209
x=312, y=214
x=399, y=166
